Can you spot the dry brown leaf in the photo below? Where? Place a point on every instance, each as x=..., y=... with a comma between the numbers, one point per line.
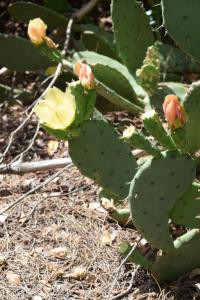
x=91, y=278
x=79, y=273
x=106, y=238
x=36, y=297
x=22, y=218
x=60, y=252
x=3, y=260
x=108, y=205
x=3, y=218
x=52, y=147
x=13, y=278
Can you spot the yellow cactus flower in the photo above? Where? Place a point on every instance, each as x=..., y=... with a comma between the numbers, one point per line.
x=37, y=31
x=57, y=110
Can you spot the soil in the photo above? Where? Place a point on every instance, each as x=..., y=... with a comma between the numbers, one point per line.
x=65, y=215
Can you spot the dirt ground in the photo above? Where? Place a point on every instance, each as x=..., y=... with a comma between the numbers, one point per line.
x=62, y=227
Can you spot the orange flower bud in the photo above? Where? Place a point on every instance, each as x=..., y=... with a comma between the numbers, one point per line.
x=174, y=112
x=37, y=31
x=85, y=75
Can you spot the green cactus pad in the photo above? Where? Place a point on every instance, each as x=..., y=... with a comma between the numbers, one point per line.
x=138, y=140
x=85, y=101
x=135, y=257
x=153, y=192
x=18, y=54
x=25, y=11
x=119, y=101
x=180, y=20
x=186, y=211
x=133, y=33
x=192, y=109
x=102, y=156
x=173, y=60
x=179, y=138
x=154, y=126
x=97, y=39
x=181, y=261
x=61, y=6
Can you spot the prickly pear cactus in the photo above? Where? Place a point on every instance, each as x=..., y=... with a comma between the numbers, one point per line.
x=102, y=156
x=186, y=211
x=25, y=11
x=18, y=54
x=133, y=33
x=98, y=40
x=180, y=19
x=191, y=105
x=153, y=192
x=182, y=260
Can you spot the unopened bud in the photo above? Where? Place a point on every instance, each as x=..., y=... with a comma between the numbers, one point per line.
x=85, y=75
x=174, y=112
x=37, y=31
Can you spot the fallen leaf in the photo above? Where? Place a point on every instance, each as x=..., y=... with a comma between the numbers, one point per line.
x=60, y=252
x=3, y=260
x=13, y=278
x=106, y=238
x=3, y=218
x=52, y=147
x=91, y=278
x=37, y=297
x=22, y=218
x=108, y=205
x=79, y=273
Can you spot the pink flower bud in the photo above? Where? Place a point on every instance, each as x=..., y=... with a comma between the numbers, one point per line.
x=37, y=31
x=85, y=75
x=174, y=112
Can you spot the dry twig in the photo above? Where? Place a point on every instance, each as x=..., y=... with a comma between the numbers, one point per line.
x=20, y=167
x=39, y=186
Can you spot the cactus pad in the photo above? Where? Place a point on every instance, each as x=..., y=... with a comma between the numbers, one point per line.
x=186, y=211
x=182, y=260
x=23, y=11
x=18, y=54
x=180, y=20
x=105, y=68
x=192, y=109
x=103, y=157
x=154, y=191
x=98, y=40
x=132, y=32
